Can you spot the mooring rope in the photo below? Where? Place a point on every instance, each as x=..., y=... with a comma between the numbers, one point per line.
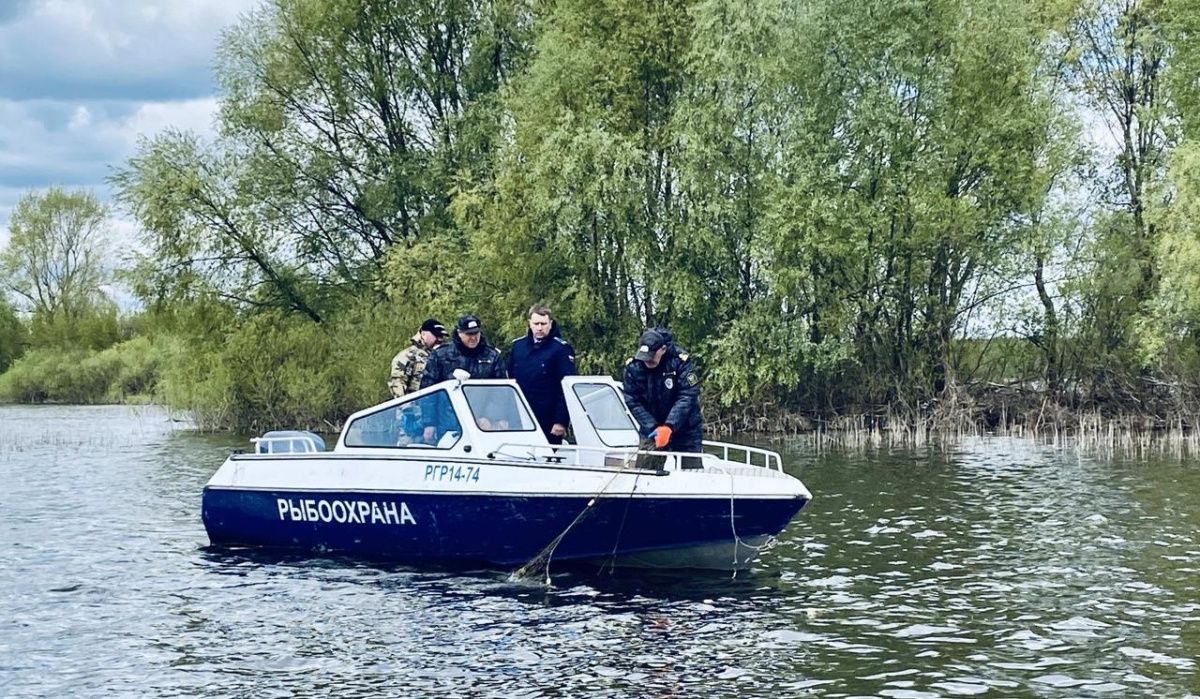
x=612, y=561
x=737, y=540
x=547, y=552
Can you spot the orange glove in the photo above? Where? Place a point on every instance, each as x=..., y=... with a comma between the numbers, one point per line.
x=662, y=435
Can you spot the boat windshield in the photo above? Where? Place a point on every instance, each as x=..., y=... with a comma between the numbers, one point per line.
x=424, y=422
x=606, y=411
x=498, y=409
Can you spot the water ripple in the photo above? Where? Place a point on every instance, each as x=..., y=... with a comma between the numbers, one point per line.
x=1002, y=568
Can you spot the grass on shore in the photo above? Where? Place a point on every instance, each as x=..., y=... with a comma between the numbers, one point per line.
x=127, y=372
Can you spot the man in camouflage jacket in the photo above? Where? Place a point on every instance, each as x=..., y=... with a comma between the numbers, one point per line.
x=409, y=365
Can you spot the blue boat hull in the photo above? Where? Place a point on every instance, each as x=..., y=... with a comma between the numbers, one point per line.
x=495, y=529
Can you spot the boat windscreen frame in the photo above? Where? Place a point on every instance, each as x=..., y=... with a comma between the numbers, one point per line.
x=410, y=424
x=609, y=435
x=474, y=393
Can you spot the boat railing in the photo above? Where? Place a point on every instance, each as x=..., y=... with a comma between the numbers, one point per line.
x=294, y=443
x=623, y=457
x=552, y=450
x=766, y=458
x=612, y=457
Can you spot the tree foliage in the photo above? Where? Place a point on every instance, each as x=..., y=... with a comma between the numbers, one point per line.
x=344, y=127
x=55, y=259
x=13, y=336
x=1169, y=334
x=56, y=266
x=839, y=207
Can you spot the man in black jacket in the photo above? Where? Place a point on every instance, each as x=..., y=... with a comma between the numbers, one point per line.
x=662, y=390
x=539, y=361
x=469, y=351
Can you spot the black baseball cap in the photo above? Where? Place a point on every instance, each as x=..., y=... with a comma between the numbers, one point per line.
x=469, y=324
x=648, y=344
x=434, y=326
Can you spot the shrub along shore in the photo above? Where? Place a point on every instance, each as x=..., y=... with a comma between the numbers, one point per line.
x=274, y=379
x=886, y=218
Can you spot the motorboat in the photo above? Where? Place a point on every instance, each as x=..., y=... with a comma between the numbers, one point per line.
x=460, y=472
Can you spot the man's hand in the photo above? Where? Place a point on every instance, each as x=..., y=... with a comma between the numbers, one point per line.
x=430, y=432
x=558, y=430
x=662, y=435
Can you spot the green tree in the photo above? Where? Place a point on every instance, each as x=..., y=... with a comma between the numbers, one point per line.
x=819, y=198
x=1170, y=334
x=731, y=114
x=1121, y=68
x=205, y=232
x=343, y=128
x=746, y=92
x=582, y=207
x=915, y=151
x=14, y=336
x=55, y=261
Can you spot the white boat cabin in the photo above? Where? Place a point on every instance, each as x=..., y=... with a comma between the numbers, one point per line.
x=490, y=418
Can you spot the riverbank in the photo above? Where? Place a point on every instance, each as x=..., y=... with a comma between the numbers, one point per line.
x=1090, y=431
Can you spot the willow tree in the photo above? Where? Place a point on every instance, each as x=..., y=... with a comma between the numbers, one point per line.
x=343, y=126
x=56, y=265
x=743, y=95
x=1169, y=333
x=14, y=336
x=207, y=232
x=917, y=148
x=1121, y=69
x=581, y=211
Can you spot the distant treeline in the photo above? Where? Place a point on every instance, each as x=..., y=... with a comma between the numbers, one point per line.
x=929, y=210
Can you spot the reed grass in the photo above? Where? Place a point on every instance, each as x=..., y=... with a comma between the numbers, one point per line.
x=1131, y=435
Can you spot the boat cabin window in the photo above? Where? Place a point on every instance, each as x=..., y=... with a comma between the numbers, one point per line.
x=498, y=409
x=606, y=411
x=427, y=422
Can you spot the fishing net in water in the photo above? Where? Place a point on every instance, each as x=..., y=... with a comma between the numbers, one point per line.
x=537, y=569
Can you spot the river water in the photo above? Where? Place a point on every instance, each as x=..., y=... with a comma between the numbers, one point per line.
x=1000, y=568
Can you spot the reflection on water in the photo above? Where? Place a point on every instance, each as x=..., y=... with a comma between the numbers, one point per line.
x=1001, y=567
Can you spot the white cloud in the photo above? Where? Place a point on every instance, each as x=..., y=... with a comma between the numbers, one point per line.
x=81, y=119
x=46, y=143
x=196, y=115
x=82, y=80
x=114, y=49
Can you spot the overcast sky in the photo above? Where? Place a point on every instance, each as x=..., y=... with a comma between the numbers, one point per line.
x=81, y=80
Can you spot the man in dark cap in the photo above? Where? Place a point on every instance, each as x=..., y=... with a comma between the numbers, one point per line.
x=662, y=390
x=538, y=361
x=409, y=364
x=469, y=351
